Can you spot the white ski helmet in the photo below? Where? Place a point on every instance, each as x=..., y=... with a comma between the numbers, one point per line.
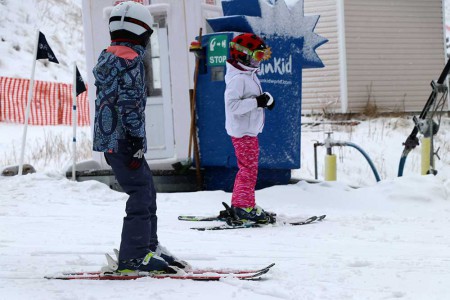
x=130, y=22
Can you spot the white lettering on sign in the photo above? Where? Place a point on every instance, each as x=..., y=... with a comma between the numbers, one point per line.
x=220, y=44
x=217, y=59
x=279, y=66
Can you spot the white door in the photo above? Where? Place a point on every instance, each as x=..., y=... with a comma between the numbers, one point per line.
x=158, y=113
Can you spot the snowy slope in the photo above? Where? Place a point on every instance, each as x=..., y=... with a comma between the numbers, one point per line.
x=387, y=241
x=61, y=23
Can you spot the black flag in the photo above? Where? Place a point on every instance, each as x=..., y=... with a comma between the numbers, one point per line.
x=44, y=50
x=80, y=86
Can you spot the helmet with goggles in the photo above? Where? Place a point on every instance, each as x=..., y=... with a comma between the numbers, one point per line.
x=249, y=49
x=130, y=22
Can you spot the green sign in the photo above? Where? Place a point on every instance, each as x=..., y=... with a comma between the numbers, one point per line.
x=217, y=50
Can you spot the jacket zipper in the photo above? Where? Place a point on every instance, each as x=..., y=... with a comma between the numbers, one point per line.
x=260, y=92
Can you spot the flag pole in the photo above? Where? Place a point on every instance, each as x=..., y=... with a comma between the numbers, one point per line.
x=27, y=111
x=74, y=120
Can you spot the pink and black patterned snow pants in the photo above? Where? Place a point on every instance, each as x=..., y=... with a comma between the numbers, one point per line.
x=247, y=153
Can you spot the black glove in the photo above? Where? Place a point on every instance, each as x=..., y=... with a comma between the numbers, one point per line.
x=137, y=151
x=265, y=100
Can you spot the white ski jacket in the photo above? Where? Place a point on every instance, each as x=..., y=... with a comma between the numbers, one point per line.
x=242, y=114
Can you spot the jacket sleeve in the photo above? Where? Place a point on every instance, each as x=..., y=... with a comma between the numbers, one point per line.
x=131, y=100
x=234, y=102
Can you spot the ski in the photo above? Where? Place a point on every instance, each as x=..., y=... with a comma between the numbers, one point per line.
x=194, y=271
x=223, y=216
x=233, y=225
x=201, y=218
x=232, y=222
x=199, y=275
x=219, y=218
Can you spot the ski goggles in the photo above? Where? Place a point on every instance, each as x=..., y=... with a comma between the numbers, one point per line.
x=258, y=55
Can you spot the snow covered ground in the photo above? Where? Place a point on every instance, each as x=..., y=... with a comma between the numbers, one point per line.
x=386, y=240
x=61, y=23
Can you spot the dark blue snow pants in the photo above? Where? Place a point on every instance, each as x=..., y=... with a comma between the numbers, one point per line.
x=139, y=231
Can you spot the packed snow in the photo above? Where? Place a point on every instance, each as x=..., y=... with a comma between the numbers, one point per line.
x=380, y=240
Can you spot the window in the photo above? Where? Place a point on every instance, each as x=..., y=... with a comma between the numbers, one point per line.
x=152, y=60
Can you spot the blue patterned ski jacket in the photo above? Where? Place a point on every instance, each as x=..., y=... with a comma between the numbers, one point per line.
x=121, y=96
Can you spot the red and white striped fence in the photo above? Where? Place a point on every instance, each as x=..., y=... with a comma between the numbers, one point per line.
x=51, y=103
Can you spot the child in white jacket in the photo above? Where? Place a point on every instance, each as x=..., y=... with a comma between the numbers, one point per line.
x=244, y=120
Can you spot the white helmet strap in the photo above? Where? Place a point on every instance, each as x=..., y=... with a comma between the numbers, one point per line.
x=122, y=19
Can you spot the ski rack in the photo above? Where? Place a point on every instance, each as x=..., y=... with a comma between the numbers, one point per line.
x=425, y=123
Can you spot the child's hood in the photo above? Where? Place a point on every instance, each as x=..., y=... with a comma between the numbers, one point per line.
x=234, y=68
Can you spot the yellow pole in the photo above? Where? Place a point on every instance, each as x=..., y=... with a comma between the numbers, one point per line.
x=426, y=155
x=330, y=167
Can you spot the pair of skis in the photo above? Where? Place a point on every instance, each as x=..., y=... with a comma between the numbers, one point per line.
x=109, y=273
x=227, y=216
x=196, y=274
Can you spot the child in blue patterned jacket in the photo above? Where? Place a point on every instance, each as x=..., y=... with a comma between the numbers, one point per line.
x=119, y=132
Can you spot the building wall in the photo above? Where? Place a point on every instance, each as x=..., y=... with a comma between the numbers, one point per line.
x=321, y=87
x=394, y=49
x=183, y=20
x=391, y=52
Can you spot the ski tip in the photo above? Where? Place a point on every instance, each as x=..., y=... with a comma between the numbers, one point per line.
x=270, y=266
x=260, y=273
x=320, y=218
x=187, y=218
